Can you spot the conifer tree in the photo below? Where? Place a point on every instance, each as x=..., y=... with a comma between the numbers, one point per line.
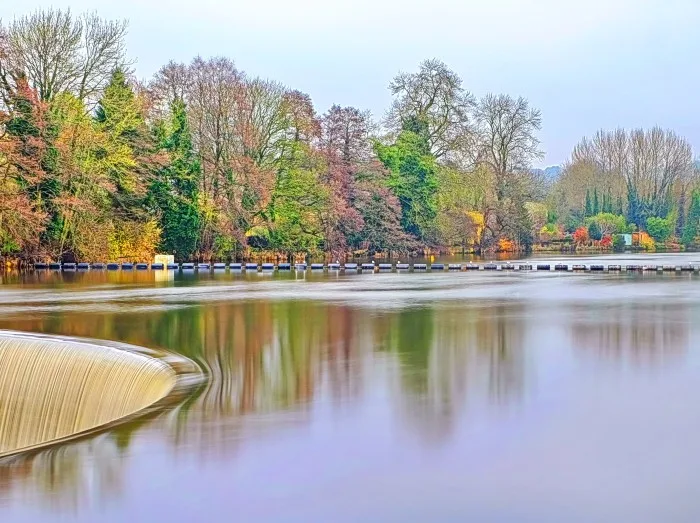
x=692, y=223
x=174, y=190
x=589, y=210
x=619, y=208
x=596, y=206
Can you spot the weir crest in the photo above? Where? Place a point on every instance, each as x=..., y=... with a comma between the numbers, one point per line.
x=55, y=388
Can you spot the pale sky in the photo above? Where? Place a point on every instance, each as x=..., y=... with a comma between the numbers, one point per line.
x=585, y=64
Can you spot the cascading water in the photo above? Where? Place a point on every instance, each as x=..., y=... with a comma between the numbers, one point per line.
x=51, y=389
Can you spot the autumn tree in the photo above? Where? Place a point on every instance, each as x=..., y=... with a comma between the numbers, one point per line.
x=23, y=149
x=380, y=212
x=461, y=197
x=345, y=144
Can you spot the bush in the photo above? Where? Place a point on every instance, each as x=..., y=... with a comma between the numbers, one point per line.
x=581, y=236
x=618, y=243
x=659, y=228
x=594, y=231
x=609, y=223
x=646, y=242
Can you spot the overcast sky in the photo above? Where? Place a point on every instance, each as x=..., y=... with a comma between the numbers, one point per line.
x=586, y=64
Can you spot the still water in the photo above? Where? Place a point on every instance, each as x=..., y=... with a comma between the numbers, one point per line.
x=382, y=397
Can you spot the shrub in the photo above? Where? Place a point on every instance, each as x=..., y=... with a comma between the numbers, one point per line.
x=659, y=228
x=505, y=245
x=618, y=243
x=581, y=236
x=646, y=242
x=594, y=231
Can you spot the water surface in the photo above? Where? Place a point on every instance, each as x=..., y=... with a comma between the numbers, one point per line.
x=382, y=397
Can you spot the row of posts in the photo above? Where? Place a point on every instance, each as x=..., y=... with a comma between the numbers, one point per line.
x=364, y=267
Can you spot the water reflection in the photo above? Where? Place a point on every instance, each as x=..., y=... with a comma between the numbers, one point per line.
x=646, y=334
x=275, y=366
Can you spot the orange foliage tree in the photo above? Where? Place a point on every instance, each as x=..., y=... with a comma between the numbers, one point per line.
x=581, y=236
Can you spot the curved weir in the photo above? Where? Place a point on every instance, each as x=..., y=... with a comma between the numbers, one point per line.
x=54, y=388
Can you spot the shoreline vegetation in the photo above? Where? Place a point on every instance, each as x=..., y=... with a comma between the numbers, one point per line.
x=208, y=163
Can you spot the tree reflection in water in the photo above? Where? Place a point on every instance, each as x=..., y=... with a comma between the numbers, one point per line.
x=271, y=363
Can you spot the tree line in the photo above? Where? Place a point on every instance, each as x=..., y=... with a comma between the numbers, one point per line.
x=627, y=181
x=205, y=161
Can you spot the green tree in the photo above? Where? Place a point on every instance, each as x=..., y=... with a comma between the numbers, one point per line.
x=596, y=206
x=119, y=116
x=174, y=190
x=127, y=156
x=659, y=228
x=692, y=221
x=608, y=223
x=618, y=243
x=295, y=225
x=619, y=207
x=594, y=231
x=588, y=209
x=413, y=179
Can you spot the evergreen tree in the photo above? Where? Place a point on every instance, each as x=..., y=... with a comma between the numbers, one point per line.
x=607, y=202
x=680, y=215
x=174, y=190
x=634, y=213
x=589, y=209
x=596, y=206
x=127, y=155
x=413, y=180
x=619, y=208
x=692, y=222
x=594, y=232
x=119, y=116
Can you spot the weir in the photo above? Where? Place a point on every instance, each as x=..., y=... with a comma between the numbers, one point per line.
x=382, y=267
x=52, y=389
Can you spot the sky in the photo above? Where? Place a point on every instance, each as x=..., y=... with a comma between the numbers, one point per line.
x=586, y=65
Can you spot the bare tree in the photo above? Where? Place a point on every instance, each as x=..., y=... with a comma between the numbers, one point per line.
x=59, y=52
x=214, y=99
x=652, y=162
x=103, y=50
x=507, y=137
x=172, y=82
x=345, y=131
x=432, y=101
x=264, y=120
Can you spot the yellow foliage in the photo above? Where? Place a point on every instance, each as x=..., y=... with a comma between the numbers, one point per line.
x=477, y=218
x=134, y=241
x=646, y=242
x=505, y=245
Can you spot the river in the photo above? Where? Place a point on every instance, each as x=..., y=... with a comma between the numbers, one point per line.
x=381, y=397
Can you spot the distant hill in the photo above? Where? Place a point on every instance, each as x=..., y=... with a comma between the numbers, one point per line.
x=550, y=173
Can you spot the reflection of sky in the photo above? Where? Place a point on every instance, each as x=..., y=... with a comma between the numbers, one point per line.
x=560, y=393
x=586, y=65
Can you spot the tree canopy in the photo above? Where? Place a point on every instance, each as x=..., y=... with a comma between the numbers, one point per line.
x=206, y=161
